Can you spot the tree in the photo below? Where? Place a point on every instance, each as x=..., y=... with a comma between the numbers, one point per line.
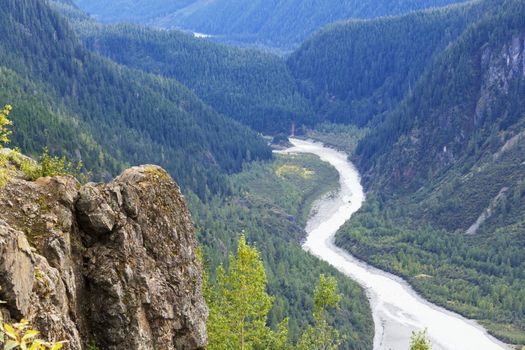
x=420, y=341
x=4, y=125
x=322, y=336
x=239, y=305
x=4, y=138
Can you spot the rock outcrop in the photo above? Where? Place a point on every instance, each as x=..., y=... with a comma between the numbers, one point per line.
x=110, y=264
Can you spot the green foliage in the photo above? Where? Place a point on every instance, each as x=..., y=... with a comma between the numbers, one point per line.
x=275, y=23
x=422, y=132
x=291, y=182
x=480, y=276
x=47, y=165
x=70, y=104
x=252, y=87
x=270, y=209
x=322, y=336
x=341, y=136
x=280, y=139
x=420, y=341
x=239, y=305
x=355, y=71
x=92, y=346
x=4, y=124
x=4, y=138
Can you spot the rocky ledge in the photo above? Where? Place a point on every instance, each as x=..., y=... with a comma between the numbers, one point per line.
x=112, y=265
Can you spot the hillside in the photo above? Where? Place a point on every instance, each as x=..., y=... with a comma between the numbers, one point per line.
x=254, y=88
x=103, y=100
x=277, y=23
x=471, y=92
x=444, y=171
x=109, y=115
x=356, y=70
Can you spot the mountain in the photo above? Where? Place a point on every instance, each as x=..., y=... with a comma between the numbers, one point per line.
x=440, y=93
x=87, y=107
x=252, y=87
x=444, y=172
x=472, y=92
x=356, y=70
x=89, y=101
x=276, y=23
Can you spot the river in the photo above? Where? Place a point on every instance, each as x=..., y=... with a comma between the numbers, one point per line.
x=396, y=308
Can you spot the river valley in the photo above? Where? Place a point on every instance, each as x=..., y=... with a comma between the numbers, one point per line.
x=397, y=309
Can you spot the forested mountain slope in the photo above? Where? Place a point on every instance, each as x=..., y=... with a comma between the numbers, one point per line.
x=83, y=105
x=356, y=70
x=445, y=175
x=88, y=107
x=469, y=102
x=275, y=23
x=255, y=88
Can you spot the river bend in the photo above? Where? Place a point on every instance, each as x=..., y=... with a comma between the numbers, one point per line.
x=397, y=310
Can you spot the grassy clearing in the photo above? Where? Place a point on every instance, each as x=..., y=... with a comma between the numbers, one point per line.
x=291, y=182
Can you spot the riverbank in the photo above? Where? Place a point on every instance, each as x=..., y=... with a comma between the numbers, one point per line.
x=396, y=308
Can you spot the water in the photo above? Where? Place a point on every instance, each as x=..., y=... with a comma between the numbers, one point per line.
x=397, y=310
x=201, y=35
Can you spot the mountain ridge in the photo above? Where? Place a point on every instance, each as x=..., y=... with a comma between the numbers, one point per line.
x=97, y=95
x=277, y=23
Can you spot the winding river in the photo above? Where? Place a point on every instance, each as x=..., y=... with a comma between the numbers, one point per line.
x=397, y=310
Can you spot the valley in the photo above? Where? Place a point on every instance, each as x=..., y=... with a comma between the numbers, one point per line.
x=420, y=106
x=397, y=309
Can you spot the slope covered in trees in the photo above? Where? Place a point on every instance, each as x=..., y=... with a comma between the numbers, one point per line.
x=268, y=206
x=274, y=23
x=444, y=172
x=253, y=87
x=88, y=107
x=356, y=70
x=473, y=90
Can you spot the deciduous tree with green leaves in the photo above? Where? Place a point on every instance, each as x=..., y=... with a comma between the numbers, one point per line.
x=4, y=124
x=239, y=306
x=420, y=341
x=322, y=336
x=4, y=139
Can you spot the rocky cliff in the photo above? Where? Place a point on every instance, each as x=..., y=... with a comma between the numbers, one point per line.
x=110, y=264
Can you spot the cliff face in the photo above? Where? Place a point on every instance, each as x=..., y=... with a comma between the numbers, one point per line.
x=469, y=104
x=112, y=264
